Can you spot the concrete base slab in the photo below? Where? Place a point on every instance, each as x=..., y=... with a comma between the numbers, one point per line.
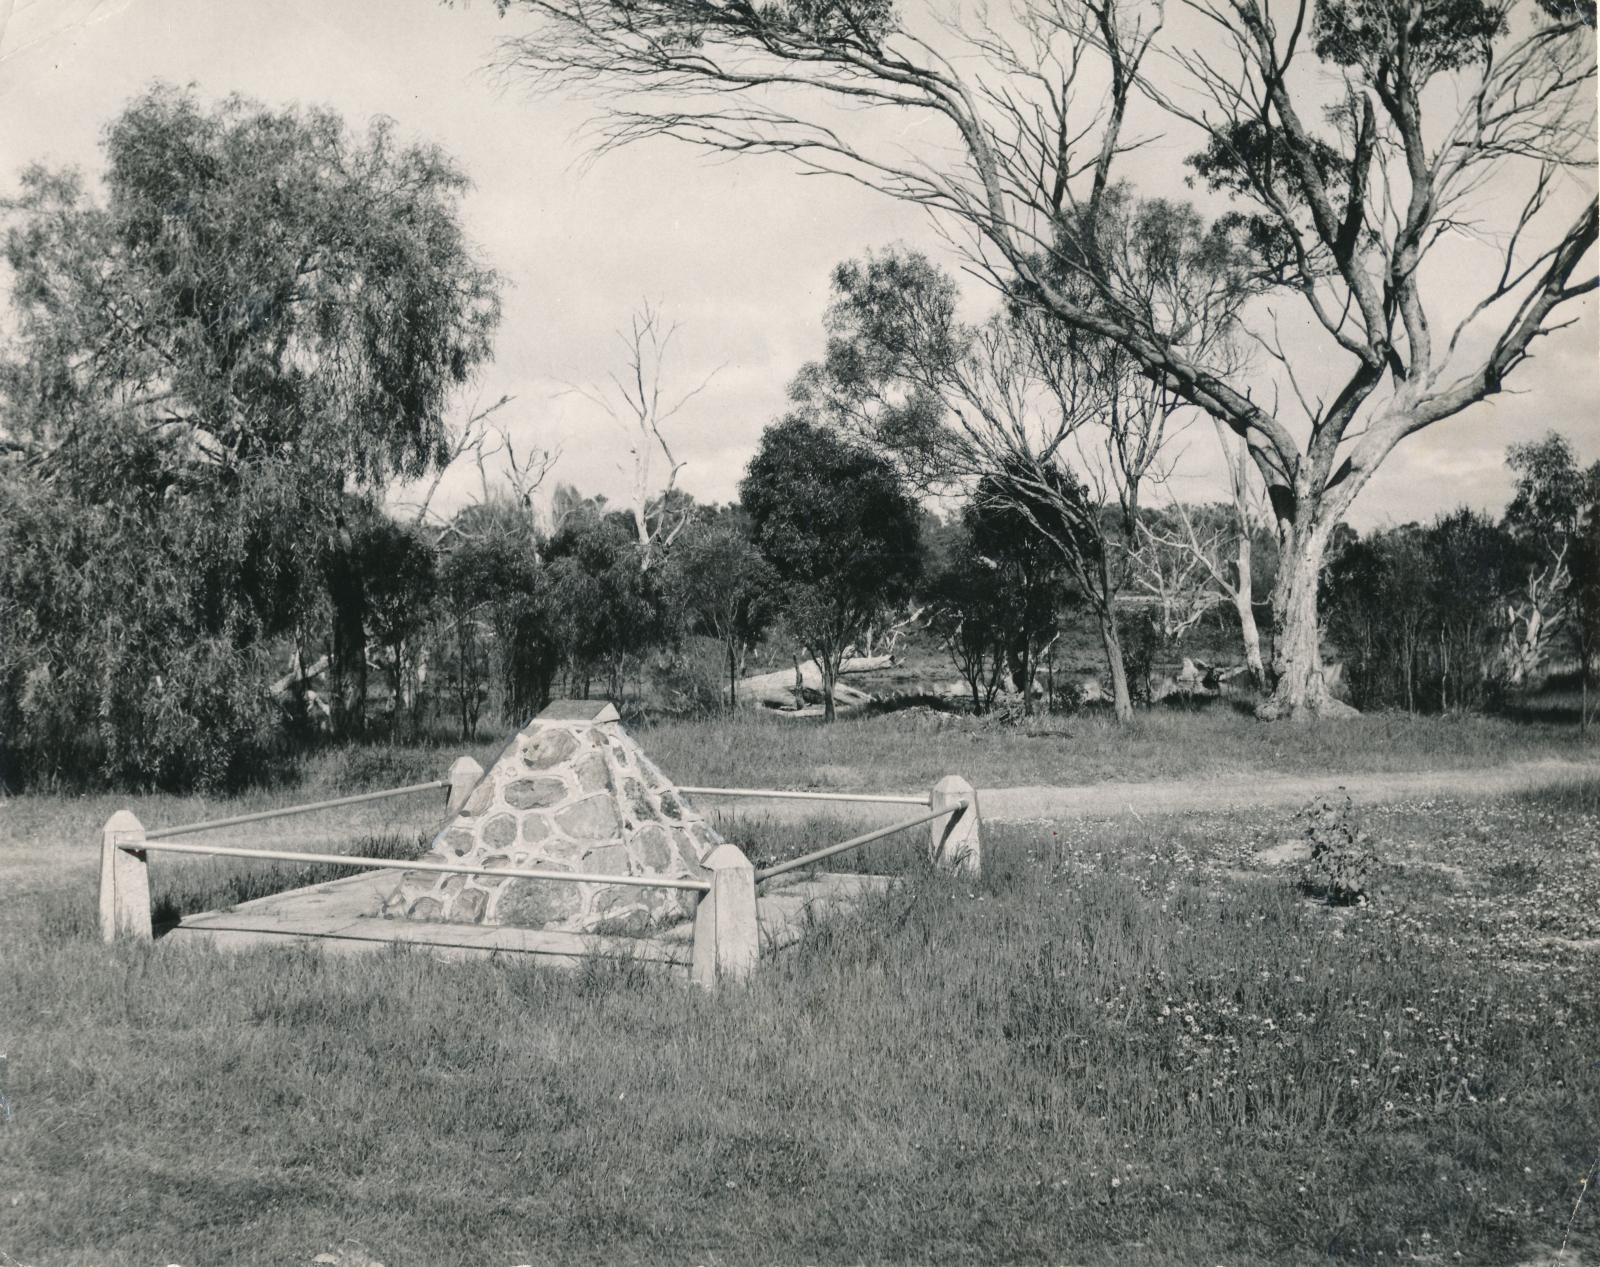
x=343, y=916
x=787, y=911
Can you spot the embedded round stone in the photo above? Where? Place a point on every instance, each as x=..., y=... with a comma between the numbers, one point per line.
x=560, y=848
x=638, y=800
x=535, y=828
x=593, y=818
x=468, y=906
x=547, y=748
x=654, y=847
x=498, y=862
x=619, y=753
x=500, y=832
x=538, y=903
x=535, y=793
x=426, y=908
x=458, y=842
x=607, y=860
x=450, y=886
x=704, y=838
x=593, y=774
x=480, y=798
x=671, y=806
x=676, y=904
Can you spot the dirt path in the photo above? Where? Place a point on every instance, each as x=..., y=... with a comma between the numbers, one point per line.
x=1020, y=803
x=1100, y=800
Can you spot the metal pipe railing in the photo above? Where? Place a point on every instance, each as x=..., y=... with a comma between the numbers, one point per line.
x=451, y=868
x=855, y=842
x=778, y=794
x=184, y=830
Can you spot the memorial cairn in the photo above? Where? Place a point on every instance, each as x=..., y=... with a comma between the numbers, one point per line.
x=571, y=792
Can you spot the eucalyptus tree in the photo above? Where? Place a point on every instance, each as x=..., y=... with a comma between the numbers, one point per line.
x=722, y=587
x=1191, y=559
x=257, y=286
x=838, y=529
x=997, y=598
x=1551, y=501
x=1406, y=183
x=1050, y=431
x=256, y=317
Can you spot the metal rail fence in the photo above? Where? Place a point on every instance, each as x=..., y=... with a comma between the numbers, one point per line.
x=726, y=942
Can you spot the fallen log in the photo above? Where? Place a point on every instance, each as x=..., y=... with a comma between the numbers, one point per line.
x=865, y=664
x=778, y=689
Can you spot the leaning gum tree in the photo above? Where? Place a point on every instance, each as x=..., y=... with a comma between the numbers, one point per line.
x=1367, y=164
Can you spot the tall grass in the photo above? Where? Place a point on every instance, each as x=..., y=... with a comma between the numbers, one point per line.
x=210, y=884
x=1101, y=1053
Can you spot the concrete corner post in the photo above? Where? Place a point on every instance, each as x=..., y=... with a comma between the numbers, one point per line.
x=124, y=879
x=957, y=841
x=727, y=937
x=464, y=776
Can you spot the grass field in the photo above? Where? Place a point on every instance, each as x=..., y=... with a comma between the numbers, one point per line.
x=1125, y=1045
x=891, y=752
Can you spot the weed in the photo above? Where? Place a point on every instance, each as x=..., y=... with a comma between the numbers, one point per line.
x=1343, y=863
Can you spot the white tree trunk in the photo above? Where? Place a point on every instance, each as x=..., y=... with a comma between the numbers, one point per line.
x=1300, y=689
x=1243, y=596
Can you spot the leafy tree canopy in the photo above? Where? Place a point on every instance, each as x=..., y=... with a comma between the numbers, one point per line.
x=840, y=532
x=256, y=285
x=1552, y=491
x=218, y=355
x=1433, y=37
x=830, y=513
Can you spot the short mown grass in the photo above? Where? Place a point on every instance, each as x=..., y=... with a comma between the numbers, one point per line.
x=1122, y=1046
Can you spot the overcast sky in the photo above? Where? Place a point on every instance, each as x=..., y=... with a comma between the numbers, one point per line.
x=737, y=252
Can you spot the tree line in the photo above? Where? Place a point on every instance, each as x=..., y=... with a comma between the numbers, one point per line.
x=218, y=359
x=1457, y=612
x=1339, y=149
x=226, y=357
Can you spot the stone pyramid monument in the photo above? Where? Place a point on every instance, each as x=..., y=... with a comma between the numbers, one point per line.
x=570, y=792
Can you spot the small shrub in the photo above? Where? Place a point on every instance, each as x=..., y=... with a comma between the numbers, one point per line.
x=689, y=681
x=1343, y=863
x=1519, y=875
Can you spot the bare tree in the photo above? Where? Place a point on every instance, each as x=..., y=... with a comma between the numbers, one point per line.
x=506, y=472
x=634, y=400
x=1364, y=146
x=1534, y=615
x=462, y=439
x=524, y=474
x=1189, y=567
x=1171, y=574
